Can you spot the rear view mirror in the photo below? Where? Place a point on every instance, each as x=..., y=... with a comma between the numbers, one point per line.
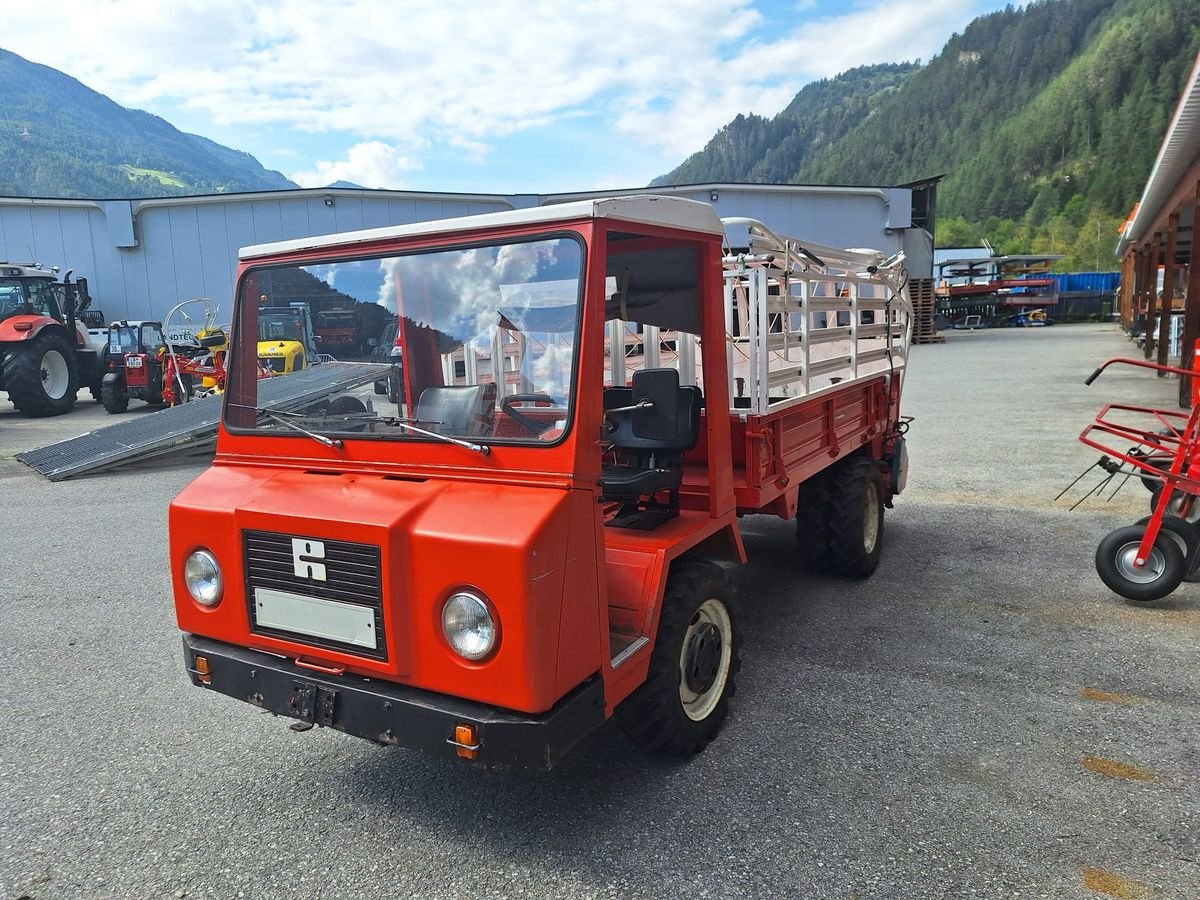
x=656, y=396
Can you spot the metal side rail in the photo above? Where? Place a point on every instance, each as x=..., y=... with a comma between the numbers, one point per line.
x=186, y=429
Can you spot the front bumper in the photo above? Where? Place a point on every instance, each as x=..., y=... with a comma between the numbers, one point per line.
x=389, y=713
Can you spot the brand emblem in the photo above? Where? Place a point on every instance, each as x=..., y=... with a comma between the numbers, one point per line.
x=305, y=556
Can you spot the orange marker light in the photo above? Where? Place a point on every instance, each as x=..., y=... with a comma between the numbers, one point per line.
x=464, y=739
x=203, y=670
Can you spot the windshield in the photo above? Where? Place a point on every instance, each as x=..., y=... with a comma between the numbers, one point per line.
x=12, y=298
x=122, y=339
x=276, y=326
x=486, y=336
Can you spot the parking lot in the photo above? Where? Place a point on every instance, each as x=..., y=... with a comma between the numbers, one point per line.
x=981, y=718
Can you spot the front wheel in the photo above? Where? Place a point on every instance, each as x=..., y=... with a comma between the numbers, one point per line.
x=685, y=698
x=114, y=396
x=1161, y=574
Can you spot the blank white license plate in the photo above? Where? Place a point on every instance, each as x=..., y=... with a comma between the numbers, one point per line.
x=315, y=617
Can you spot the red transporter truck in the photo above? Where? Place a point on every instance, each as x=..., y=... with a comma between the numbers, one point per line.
x=530, y=545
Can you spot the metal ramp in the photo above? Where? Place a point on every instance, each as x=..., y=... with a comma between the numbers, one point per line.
x=187, y=429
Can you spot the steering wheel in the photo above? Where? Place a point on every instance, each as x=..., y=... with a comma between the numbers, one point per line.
x=534, y=425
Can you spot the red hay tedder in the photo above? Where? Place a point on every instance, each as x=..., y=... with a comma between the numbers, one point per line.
x=1148, y=560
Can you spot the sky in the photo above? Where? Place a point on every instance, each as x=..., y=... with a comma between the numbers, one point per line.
x=507, y=96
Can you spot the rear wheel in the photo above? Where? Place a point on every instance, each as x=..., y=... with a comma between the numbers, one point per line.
x=40, y=375
x=1161, y=574
x=114, y=396
x=684, y=700
x=855, y=517
x=812, y=523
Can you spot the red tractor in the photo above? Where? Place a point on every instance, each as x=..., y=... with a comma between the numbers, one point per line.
x=45, y=357
x=137, y=366
x=538, y=537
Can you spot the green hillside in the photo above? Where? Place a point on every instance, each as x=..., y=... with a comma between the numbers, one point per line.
x=752, y=148
x=59, y=138
x=1045, y=120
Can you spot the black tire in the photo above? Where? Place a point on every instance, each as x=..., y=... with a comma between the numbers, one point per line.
x=1162, y=573
x=1186, y=537
x=812, y=523
x=1176, y=507
x=855, y=517
x=395, y=389
x=1157, y=461
x=41, y=375
x=684, y=701
x=114, y=396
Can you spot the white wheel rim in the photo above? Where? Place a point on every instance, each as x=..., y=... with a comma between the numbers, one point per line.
x=56, y=376
x=698, y=705
x=870, y=517
x=1149, y=573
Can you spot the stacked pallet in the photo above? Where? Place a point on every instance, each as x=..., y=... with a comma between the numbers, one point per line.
x=924, y=329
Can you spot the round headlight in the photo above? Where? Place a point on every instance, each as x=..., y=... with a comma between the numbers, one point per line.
x=468, y=626
x=202, y=576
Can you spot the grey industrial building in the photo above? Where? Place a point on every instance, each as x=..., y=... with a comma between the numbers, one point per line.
x=141, y=257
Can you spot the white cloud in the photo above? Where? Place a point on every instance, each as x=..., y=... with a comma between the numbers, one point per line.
x=429, y=76
x=372, y=164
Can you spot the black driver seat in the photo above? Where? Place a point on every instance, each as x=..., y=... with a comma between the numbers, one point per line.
x=463, y=411
x=648, y=465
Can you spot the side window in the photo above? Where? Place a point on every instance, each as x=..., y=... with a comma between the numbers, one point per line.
x=41, y=296
x=152, y=338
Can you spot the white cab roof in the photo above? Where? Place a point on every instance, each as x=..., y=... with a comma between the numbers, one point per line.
x=643, y=209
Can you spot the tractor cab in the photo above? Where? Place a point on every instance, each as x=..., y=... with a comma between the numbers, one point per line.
x=286, y=342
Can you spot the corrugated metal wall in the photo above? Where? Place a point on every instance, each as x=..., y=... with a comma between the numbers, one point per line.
x=142, y=257
x=184, y=249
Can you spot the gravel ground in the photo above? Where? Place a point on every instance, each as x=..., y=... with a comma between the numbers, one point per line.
x=981, y=718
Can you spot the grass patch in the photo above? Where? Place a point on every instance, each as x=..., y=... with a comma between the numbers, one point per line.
x=133, y=172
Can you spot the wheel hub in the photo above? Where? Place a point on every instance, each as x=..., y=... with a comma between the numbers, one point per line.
x=1127, y=565
x=702, y=658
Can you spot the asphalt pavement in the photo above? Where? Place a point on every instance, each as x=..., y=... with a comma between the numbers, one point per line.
x=982, y=718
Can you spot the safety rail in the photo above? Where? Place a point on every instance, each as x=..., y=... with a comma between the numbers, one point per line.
x=802, y=318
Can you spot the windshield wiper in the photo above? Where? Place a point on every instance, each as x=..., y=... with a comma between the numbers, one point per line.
x=319, y=438
x=483, y=449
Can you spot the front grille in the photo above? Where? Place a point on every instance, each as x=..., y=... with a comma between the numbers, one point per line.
x=352, y=575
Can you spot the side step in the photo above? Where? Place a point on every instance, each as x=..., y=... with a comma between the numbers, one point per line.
x=623, y=646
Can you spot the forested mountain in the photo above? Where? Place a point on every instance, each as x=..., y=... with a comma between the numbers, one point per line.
x=752, y=148
x=59, y=138
x=1045, y=120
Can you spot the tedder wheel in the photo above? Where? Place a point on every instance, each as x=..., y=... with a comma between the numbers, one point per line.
x=40, y=375
x=1186, y=536
x=1161, y=574
x=1179, y=500
x=812, y=523
x=114, y=396
x=855, y=517
x=685, y=698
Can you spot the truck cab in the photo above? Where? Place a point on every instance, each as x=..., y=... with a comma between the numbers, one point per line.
x=535, y=538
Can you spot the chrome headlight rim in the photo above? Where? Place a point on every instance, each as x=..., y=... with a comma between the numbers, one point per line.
x=470, y=625
x=203, y=578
